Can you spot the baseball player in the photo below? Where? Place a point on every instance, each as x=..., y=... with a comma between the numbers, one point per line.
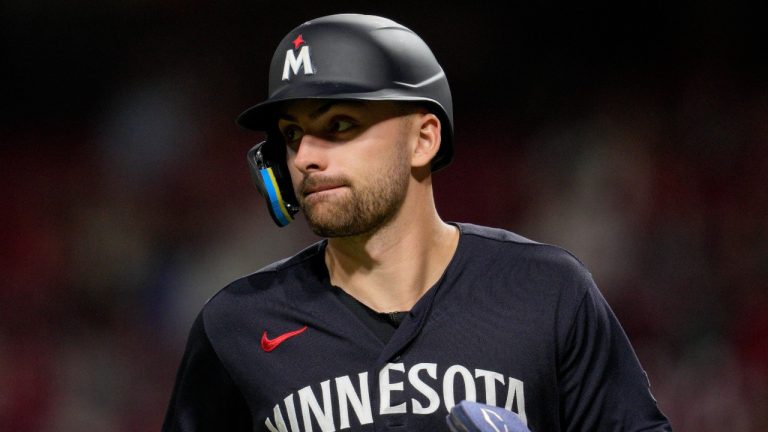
x=395, y=316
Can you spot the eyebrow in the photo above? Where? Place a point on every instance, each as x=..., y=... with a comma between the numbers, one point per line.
x=324, y=108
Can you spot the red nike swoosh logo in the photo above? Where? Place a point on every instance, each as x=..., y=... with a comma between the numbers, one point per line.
x=268, y=344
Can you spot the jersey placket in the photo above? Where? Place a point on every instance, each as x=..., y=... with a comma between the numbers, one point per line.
x=391, y=369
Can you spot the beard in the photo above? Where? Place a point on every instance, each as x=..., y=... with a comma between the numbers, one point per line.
x=359, y=208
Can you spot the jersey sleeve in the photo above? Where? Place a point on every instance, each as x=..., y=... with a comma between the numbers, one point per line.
x=602, y=384
x=204, y=397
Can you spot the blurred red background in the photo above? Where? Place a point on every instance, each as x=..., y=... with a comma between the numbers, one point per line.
x=636, y=137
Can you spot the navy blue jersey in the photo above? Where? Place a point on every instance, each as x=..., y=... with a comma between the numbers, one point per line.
x=511, y=323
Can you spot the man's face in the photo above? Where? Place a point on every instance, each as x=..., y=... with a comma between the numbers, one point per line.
x=349, y=163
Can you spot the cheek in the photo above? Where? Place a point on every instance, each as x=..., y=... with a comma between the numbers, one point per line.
x=381, y=149
x=292, y=170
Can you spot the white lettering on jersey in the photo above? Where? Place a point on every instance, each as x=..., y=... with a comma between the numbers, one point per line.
x=291, y=408
x=278, y=420
x=324, y=414
x=361, y=402
x=515, y=394
x=279, y=425
x=489, y=381
x=422, y=378
x=421, y=387
x=386, y=387
x=293, y=63
x=448, y=384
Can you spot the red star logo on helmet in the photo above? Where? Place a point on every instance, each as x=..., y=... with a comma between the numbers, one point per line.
x=298, y=41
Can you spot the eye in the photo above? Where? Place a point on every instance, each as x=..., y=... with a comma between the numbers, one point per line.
x=291, y=133
x=341, y=125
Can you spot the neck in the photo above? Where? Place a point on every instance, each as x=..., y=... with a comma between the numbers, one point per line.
x=390, y=269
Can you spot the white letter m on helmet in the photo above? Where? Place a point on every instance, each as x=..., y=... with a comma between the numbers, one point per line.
x=293, y=63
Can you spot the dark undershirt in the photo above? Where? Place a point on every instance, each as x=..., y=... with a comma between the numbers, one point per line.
x=382, y=324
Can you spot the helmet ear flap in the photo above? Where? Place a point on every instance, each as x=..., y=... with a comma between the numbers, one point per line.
x=270, y=175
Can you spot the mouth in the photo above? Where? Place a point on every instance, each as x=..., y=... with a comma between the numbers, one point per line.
x=314, y=190
x=319, y=188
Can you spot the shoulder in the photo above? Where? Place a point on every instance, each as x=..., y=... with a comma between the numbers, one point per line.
x=492, y=234
x=539, y=269
x=303, y=262
x=273, y=283
x=518, y=250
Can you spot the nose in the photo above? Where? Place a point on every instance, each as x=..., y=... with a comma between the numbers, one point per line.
x=311, y=154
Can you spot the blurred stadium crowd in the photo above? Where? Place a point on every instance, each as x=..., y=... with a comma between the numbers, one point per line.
x=637, y=139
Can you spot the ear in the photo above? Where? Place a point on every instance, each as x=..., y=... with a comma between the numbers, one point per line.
x=428, y=140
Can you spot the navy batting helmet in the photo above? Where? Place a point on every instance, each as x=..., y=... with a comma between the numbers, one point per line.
x=344, y=56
